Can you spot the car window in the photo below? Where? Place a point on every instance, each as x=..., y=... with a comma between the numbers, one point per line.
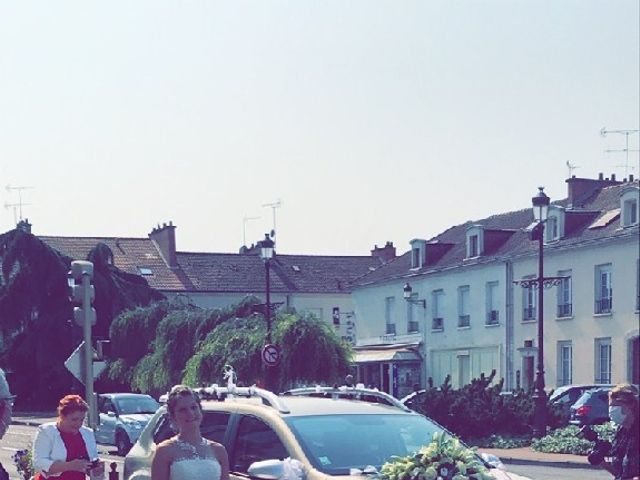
x=214, y=426
x=334, y=443
x=255, y=441
x=107, y=406
x=133, y=405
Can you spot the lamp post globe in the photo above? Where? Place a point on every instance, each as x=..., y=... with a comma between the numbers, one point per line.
x=540, y=211
x=407, y=290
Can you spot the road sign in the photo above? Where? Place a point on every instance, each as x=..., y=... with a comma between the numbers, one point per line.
x=270, y=355
x=75, y=364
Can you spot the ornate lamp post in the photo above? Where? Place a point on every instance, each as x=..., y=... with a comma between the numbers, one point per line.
x=266, y=253
x=406, y=293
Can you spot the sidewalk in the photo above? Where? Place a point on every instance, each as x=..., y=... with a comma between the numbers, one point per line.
x=522, y=456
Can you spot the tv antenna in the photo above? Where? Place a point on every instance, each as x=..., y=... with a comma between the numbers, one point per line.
x=274, y=206
x=571, y=167
x=604, y=132
x=17, y=207
x=244, y=228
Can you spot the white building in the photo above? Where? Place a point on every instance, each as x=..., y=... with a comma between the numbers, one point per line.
x=467, y=317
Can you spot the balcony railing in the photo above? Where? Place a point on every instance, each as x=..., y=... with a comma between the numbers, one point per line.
x=437, y=323
x=412, y=326
x=464, y=320
x=564, y=310
x=603, y=305
x=529, y=313
x=493, y=317
x=391, y=329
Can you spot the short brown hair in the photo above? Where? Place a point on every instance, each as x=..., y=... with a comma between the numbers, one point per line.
x=180, y=391
x=71, y=403
x=625, y=393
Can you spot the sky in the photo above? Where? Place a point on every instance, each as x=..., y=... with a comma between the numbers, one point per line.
x=369, y=120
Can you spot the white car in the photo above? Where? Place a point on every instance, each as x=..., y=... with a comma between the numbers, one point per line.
x=321, y=433
x=122, y=418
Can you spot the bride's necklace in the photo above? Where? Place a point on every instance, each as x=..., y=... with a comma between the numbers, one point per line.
x=190, y=447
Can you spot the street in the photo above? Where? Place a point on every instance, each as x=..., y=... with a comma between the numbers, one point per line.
x=20, y=436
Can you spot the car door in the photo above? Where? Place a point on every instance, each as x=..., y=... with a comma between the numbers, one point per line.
x=254, y=440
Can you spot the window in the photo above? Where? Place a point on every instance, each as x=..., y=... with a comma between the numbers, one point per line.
x=415, y=258
x=565, y=354
x=412, y=323
x=603, y=360
x=630, y=213
x=492, y=303
x=214, y=426
x=256, y=441
x=529, y=302
x=389, y=315
x=551, y=229
x=564, y=294
x=145, y=271
x=437, y=320
x=604, y=290
x=464, y=319
x=473, y=246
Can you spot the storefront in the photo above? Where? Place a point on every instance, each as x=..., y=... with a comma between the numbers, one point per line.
x=394, y=369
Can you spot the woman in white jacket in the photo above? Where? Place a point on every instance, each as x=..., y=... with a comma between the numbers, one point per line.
x=65, y=449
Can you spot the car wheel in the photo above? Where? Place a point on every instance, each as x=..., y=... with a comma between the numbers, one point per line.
x=122, y=443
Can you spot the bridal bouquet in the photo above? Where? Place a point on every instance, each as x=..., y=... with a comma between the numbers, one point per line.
x=445, y=458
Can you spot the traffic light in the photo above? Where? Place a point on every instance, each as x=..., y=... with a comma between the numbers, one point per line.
x=82, y=293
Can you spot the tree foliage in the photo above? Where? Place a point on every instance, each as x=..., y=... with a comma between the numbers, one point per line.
x=37, y=332
x=193, y=345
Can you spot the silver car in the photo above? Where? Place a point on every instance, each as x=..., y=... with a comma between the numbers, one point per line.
x=122, y=418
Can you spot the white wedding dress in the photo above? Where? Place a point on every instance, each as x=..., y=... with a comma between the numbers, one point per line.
x=195, y=463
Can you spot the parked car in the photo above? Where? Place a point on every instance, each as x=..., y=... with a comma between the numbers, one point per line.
x=331, y=435
x=564, y=397
x=122, y=416
x=592, y=408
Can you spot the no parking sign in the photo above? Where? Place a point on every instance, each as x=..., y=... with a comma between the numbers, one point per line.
x=270, y=355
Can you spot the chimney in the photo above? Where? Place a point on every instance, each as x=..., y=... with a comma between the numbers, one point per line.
x=24, y=225
x=164, y=239
x=581, y=189
x=386, y=253
x=631, y=177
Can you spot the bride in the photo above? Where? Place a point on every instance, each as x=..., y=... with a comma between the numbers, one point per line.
x=188, y=456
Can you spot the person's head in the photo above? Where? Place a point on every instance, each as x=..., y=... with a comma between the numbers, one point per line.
x=348, y=380
x=183, y=405
x=623, y=404
x=6, y=404
x=72, y=410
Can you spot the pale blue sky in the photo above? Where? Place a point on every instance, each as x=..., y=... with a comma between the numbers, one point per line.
x=371, y=120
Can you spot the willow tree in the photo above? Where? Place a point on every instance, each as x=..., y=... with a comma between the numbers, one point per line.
x=311, y=352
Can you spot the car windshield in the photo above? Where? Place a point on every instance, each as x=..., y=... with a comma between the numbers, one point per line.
x=130, y=405
x=336, y=443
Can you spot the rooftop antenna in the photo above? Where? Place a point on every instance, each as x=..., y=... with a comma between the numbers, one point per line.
x=571, y=168
x=244, y=228
x=274, y=205
x=604, y=132
x=17, y=207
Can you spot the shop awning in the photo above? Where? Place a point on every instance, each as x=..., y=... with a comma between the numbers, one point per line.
x=387, y=354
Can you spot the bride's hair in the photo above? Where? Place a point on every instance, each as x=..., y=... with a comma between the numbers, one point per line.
x=180, y=391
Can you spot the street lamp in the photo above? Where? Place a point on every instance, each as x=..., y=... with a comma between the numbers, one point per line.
x=540, y=211
x=266, y=253
x=407, y=290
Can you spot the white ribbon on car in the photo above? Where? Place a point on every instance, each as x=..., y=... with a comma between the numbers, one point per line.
x=292, y=469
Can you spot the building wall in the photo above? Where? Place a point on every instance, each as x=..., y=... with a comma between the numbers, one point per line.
x=583, y=327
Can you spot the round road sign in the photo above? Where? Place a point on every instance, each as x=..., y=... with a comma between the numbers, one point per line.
x=270, y=355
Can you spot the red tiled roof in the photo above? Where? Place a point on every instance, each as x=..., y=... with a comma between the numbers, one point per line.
x=518, y=243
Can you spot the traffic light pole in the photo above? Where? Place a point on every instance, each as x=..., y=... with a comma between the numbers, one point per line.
x=88, y=349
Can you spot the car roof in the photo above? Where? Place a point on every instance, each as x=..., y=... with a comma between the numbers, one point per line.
x=125, y=395
x=307, y=406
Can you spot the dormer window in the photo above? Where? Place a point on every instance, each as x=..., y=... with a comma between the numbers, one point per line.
x=554, y=228
x=629, y=206
x=475, y=241
x=418, y=252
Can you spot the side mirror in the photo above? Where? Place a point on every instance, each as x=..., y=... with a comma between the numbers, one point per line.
x=492, y=460
x=111, y=414
x=266, y=469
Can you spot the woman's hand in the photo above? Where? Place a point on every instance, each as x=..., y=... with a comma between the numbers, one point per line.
x=97, y=471
x=78, y=465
